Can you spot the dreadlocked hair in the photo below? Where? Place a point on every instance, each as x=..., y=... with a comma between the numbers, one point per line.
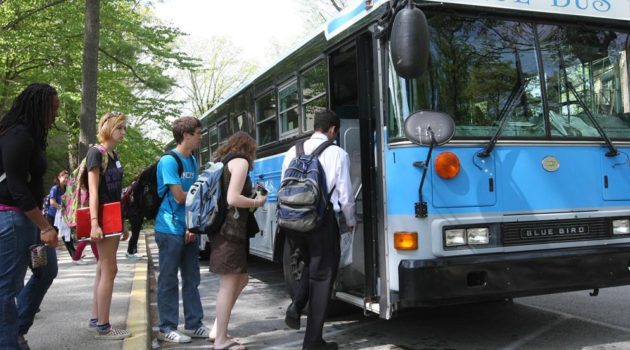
x=31, y=108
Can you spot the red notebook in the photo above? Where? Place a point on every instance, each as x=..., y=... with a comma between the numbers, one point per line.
x=110, y=220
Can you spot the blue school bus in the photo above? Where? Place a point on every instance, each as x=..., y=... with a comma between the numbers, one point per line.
x=489, y=143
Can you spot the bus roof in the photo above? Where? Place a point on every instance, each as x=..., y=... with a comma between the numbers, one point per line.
x=611, y=9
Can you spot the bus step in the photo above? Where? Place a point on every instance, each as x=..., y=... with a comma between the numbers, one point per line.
x=358, y=301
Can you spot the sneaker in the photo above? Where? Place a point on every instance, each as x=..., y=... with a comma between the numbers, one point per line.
x=133, y=256
x=201, y=332
x=112, y=334
x=174, y=337
x=92, y=322
x=79, y=262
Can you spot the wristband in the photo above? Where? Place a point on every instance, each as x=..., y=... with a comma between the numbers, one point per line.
x=47, y=230
x=93, y=219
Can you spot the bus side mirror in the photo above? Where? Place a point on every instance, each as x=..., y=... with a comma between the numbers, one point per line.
x=429, y=128
x=409, y=42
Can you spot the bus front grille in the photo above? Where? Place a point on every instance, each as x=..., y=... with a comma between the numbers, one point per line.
x=533, y=232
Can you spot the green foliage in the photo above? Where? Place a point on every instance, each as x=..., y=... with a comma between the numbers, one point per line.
x=42, y=41
x=134, y=158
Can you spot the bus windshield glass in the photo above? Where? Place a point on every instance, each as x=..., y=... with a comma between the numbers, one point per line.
x=477, y=65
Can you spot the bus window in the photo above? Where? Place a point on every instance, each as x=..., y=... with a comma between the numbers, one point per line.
x=477, y=64
x=224, y=132
x=594, y=63
x=213, y=139
x=266, y=118
x=313, y=87
x=288, y=111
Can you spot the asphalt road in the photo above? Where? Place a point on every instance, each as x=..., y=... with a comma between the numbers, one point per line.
x=66, y=309
x=561, y=321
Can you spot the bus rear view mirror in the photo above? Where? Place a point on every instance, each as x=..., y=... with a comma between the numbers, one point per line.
x=429, y=128
x=409, y=42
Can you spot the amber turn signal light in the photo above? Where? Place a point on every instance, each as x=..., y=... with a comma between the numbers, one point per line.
x=406, y=240
x=447, y=165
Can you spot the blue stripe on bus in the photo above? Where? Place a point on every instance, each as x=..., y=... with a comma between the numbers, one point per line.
x=268, y=171
x=520, y=184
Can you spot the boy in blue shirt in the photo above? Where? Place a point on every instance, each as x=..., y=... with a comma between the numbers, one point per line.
x=178, y=248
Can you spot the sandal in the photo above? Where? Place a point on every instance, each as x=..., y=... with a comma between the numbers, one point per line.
x=232, y=346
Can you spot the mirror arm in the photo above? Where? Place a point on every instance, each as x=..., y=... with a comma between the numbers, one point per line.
x=420, y=207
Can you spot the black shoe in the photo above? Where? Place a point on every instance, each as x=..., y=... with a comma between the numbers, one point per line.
x=292, y=318
x=323, y=346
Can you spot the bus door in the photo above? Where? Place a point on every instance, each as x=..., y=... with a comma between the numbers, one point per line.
x=350, y=97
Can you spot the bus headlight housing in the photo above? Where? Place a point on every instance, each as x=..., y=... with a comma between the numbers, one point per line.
x=621, y=227
x=455, y=237
x=478, y=235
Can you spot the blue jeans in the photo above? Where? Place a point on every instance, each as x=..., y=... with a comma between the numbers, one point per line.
x=176, y=256
x=17, y=234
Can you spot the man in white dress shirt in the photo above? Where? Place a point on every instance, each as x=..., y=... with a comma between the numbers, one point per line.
x=320, y=249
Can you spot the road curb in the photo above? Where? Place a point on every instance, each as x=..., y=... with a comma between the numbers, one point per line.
x=138, y=314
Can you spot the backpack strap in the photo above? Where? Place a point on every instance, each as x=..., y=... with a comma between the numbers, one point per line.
x=321, y=148
x=180, y=165
x=315, y=154
x=104, y=157
x=299, y=148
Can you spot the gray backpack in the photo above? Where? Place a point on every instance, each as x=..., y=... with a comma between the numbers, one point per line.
x=203, y=201
x=303, y=197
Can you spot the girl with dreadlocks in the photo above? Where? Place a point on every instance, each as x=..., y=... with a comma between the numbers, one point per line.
x=23, y=139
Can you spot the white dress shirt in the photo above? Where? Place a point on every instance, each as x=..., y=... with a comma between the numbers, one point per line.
x=336, y=164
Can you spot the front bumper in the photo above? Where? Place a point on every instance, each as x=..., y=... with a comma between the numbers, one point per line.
x=496, y=276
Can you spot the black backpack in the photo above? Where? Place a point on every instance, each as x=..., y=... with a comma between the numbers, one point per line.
x=145, y=192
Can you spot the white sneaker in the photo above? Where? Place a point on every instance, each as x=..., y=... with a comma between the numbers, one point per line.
x=79, y=262
x=201, y=332
x=174, y=337
x=132, y=256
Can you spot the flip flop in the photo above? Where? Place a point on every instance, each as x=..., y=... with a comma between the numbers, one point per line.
x=232, y=346
x=210, y=339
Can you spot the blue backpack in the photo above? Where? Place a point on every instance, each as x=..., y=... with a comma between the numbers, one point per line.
x=203, y=201
x=303, y=197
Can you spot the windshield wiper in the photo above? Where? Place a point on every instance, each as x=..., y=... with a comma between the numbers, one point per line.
x=515, y=95
x=612, y=150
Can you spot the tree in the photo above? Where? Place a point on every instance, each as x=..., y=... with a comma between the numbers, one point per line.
x=90, y=77
x=42, y=41
x=220, y=72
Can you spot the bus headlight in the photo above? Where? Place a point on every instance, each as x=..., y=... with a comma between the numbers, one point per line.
x=478, y=235
x=455, y=237
x=621, y=227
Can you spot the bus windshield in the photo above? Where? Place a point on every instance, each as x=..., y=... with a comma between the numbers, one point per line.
x=477, y=62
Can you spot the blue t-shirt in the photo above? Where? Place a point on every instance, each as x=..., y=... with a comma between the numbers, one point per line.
x=171, y=217
x=56, y=194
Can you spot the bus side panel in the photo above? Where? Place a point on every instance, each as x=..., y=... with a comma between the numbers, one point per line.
x=268, y=172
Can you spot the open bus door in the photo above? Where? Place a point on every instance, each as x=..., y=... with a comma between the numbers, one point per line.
x=351, y=97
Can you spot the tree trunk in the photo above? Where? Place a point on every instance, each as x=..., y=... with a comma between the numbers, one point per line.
x=87, y=115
